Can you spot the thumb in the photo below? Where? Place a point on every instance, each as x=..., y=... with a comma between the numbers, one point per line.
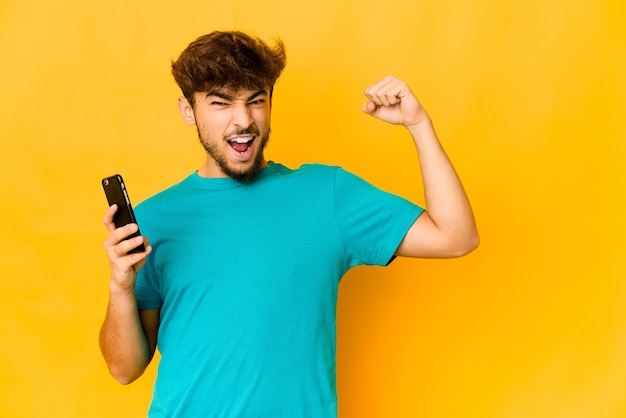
x=369, y=108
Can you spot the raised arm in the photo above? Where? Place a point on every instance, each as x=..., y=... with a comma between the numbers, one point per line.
x=128, y=336
x=447, y=228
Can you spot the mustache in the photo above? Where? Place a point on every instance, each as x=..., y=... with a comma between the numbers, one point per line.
x=251, y=130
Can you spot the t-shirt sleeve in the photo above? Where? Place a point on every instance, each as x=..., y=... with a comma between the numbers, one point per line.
x=147, y=289
x=371, y=222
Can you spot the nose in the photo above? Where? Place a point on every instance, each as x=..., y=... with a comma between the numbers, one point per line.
x=241, y=115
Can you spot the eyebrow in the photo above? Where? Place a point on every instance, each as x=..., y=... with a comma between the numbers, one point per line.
x=226, y=96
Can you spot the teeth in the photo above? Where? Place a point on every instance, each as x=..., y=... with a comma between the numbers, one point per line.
x=241, y=140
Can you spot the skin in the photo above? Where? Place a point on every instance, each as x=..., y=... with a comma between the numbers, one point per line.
x=446, y=229
x=222, y=116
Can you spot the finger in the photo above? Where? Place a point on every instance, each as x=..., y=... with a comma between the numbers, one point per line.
x=121, y=257
x=126, y=245
x=369, y=108
x=372, y=93
x=123, y=260
x=108, y=218
x=379, y=86
x=120, y=234
x=378, y=99
x=392, y=99
x=385, y=93
x=389, y=93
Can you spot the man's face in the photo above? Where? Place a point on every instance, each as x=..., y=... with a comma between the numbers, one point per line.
x=234, y=128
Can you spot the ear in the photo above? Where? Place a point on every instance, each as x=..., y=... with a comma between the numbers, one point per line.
x=186, y=111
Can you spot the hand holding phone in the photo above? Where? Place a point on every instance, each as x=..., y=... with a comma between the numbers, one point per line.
x=116, y=193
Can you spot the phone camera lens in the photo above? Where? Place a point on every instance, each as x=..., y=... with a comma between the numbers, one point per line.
x=105, y=182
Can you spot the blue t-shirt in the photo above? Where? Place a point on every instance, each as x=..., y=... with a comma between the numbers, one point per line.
x=246, y=277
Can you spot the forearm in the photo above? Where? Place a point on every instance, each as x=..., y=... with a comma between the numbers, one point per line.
x=447, y=228
x=446, y=201
x=123, y=341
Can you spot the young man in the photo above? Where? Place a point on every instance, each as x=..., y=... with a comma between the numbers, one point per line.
x=238, y=288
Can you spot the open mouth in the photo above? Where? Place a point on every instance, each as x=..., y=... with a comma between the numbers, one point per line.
x=241, y=144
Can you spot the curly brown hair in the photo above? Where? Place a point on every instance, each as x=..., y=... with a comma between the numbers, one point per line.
x=232, y=60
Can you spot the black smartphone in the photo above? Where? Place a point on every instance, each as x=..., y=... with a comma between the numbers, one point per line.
x=116, y=193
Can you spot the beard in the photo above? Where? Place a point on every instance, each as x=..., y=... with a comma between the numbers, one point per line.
x=241, y=175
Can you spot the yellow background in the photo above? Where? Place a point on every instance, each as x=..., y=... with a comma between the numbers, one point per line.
x=528, y=98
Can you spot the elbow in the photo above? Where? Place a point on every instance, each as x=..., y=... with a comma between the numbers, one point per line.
x=123, y=376
x=466, y=245
x=124, y=380
x=472, y=245
x=124, y=372
x=124, y=367
x=457, y=244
